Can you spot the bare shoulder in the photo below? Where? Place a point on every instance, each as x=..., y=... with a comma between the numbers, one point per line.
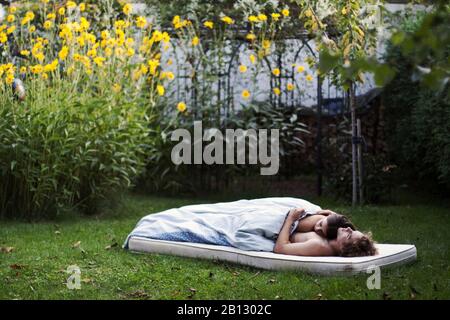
x=322, y=246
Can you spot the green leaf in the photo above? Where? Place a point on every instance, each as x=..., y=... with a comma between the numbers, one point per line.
x=327, y=61
x=383, y=74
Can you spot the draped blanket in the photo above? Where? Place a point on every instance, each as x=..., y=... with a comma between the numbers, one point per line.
x=245, y=224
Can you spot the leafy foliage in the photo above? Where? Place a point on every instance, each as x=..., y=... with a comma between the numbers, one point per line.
x=418, y=117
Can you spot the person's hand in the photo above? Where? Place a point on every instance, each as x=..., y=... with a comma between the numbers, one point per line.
x=326, y=212
x=295, y=214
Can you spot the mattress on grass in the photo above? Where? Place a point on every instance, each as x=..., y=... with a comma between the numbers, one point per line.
x=389, y=255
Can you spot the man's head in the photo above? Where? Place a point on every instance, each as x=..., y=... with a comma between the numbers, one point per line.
x=328, y=226
x=353, y=243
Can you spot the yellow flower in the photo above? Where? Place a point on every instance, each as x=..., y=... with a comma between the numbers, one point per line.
x=153, y=65
x=84, y=24
x=290, y=86
x=36, y=69
x=62, y=11
x=169, y=62
x=10, y=18
x=29, y=15
x=276, y=91
x=66, y=32
x=170, y=75
x=99, y=61
x=51, y=66
x=262, y=17
x=250, y=37
x=275, y=16
x=32, y=29
x=63, y=53
x=9, y=78
x=266, y=44
x=308, y=13
x=176, y=20
x=23, y=69
x=253, y=18
x=344, y=11
x=309, y=77
x=24, y=21
x=285, y=12
x=181, y=106
x=245, y=94
x=252, y=59
x=119, y=52
x=39, y=56
x=51, y=16
x=242, y=68
x=71, y=5
x=11, y=29
x=81, y=41
x=82, y=6
x=108, y=52
x=47, y=24
x=208, y=24
x=12, y=9
x=227, y=20
x=105, y=34
x=165, y=37
x=116, y=87
x=44, y=76
x=141, y=22
x=130, y=52
x=143, y=69
x=129, y=42
x=127, y=9
x=157, y=36
x=195, y=41
x=160, y=89
x=300, y=69
x=45, y=1
x=276, y=72
x=70, y=70
x=92, y=53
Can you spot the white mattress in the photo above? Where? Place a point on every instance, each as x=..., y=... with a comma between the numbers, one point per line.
x=389, y=255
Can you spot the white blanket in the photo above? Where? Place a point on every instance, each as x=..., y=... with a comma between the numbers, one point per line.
x=245, y=224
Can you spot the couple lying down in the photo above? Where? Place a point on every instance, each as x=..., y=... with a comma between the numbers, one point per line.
x=324, y=233
x=281, y=225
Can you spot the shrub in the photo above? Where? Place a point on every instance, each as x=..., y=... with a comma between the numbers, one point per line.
x=162, y=175
x=379, y=175
x=80, y=133
x=417, y=122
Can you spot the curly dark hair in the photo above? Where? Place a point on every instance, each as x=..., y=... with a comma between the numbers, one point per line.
x=335, y=222
x=361, y=247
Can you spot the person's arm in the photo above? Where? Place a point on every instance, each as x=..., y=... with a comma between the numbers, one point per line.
x=325, y=212
x=307, y=224
x=307, y=248
x=283, y=236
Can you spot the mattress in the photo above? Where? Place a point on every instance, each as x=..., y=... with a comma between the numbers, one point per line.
x=389, y=255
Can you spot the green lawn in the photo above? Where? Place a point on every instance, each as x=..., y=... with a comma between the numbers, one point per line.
x=35, y=268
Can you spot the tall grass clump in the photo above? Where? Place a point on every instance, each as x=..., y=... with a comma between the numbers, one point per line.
x=78, y=132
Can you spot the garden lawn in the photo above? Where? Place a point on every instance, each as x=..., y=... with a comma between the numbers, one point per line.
x=36, y=266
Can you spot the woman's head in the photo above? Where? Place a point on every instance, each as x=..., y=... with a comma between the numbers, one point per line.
x=352, y=243
x=328, y=226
